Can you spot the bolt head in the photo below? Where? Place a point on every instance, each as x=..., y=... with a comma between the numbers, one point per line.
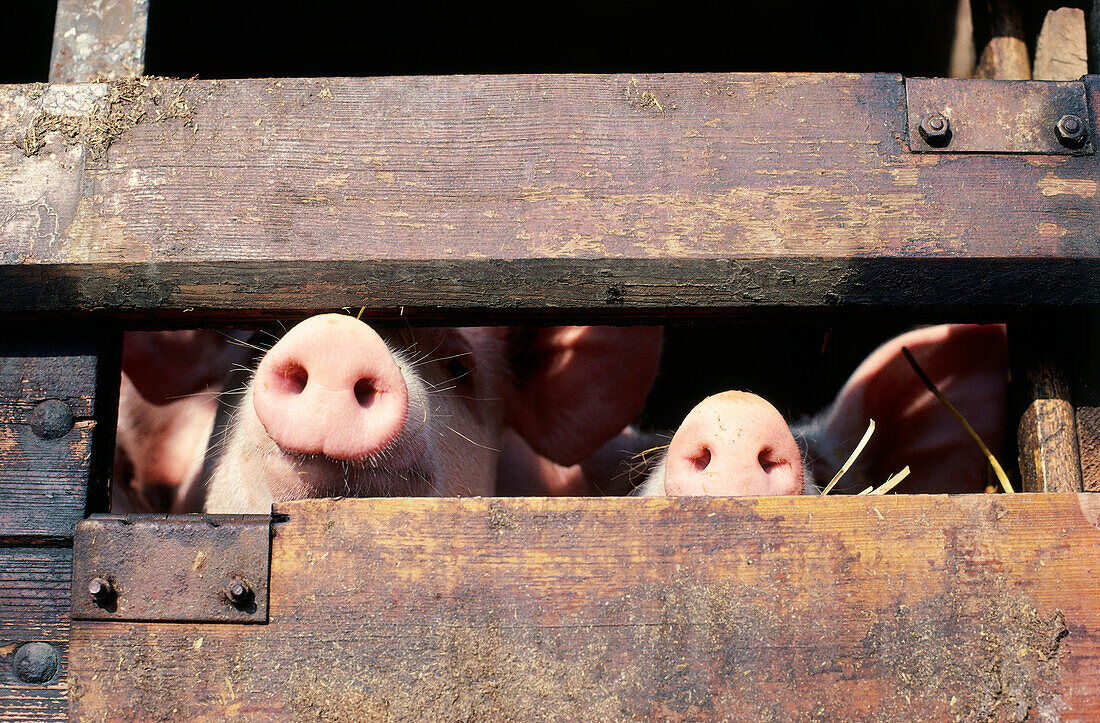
x=35, y=662
x=101, y=590
x=1071, y=131
x=51, y=419
x=935, y=129
x=239, y=592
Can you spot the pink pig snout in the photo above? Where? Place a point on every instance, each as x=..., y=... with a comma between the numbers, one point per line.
x=733, y=444
x=331, y=386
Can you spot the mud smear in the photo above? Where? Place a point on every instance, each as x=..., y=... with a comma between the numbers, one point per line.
x=473, y=674
x=1000, y=663
x=646, y=99
x=500, y=518
x=719, y=652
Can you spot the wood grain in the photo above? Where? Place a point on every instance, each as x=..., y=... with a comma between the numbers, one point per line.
x=34, y=607
x=889, y=608
x=44, y=479
x=723, y=191
x=1088, y=434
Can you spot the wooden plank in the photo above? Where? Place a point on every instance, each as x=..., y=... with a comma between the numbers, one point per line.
x=34, y=608
x=48, y=441
x=102, y=41
x=892, y=608
x=580, y=192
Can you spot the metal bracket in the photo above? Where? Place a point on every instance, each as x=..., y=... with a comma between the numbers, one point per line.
x=182, y=568
x=950, y=115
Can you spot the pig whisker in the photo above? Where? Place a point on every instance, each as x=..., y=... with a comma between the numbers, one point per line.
x=249, y=345
x=419, y=358
x=426, y=360
x=460, y=434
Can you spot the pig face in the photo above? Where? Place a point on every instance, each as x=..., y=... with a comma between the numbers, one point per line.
x=337, y=408
x=736, y=443
x=731, y=444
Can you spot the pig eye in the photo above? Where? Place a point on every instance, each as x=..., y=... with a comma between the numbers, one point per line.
x=457, y=369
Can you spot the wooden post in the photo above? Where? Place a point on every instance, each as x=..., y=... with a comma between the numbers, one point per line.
x=999, y=25
x=1047, y=429
x=107, y=43
x=53, y=387
x=58, y=399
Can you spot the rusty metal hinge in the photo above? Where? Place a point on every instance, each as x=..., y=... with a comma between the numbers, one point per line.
x=951, y=115
x=181, y=568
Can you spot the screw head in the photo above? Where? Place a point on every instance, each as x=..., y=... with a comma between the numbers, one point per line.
x=101, y=590
x=51, y=419
x=935, y=129
x=35, y=662
x=239, y=592
x=1071, y=131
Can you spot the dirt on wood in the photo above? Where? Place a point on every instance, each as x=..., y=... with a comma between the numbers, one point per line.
x=128, y=103
x=706, y=659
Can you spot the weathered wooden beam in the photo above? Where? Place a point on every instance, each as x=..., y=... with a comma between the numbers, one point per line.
x=884, y=608
x=53, y=389
x=523, y=192
x=34, y=633
x=104, y=40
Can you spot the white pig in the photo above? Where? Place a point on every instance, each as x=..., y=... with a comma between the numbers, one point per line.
x=737, y=443
x=337, y=408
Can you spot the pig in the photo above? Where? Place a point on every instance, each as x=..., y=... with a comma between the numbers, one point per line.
x=168, y=403
x=338, y=408
x=736, y=443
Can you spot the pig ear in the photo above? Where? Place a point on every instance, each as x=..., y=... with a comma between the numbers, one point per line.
x=168, y=365
x=578, y=386
x=968, y=363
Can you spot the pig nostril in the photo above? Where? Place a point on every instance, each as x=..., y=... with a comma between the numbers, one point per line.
x=292, y=378
x=701, y=460
x=768, y=460
x=365, y=393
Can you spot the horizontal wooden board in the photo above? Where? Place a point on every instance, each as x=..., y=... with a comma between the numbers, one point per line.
x=46, y=459
x=597, y=193
x=885, y=608
x=34, y=607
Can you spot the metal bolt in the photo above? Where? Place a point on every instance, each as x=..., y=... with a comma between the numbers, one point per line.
x=935, y=129
x=1071, y=131
x=35, y=662
x=239, y=592
x=51, y=419
x=101, y=590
